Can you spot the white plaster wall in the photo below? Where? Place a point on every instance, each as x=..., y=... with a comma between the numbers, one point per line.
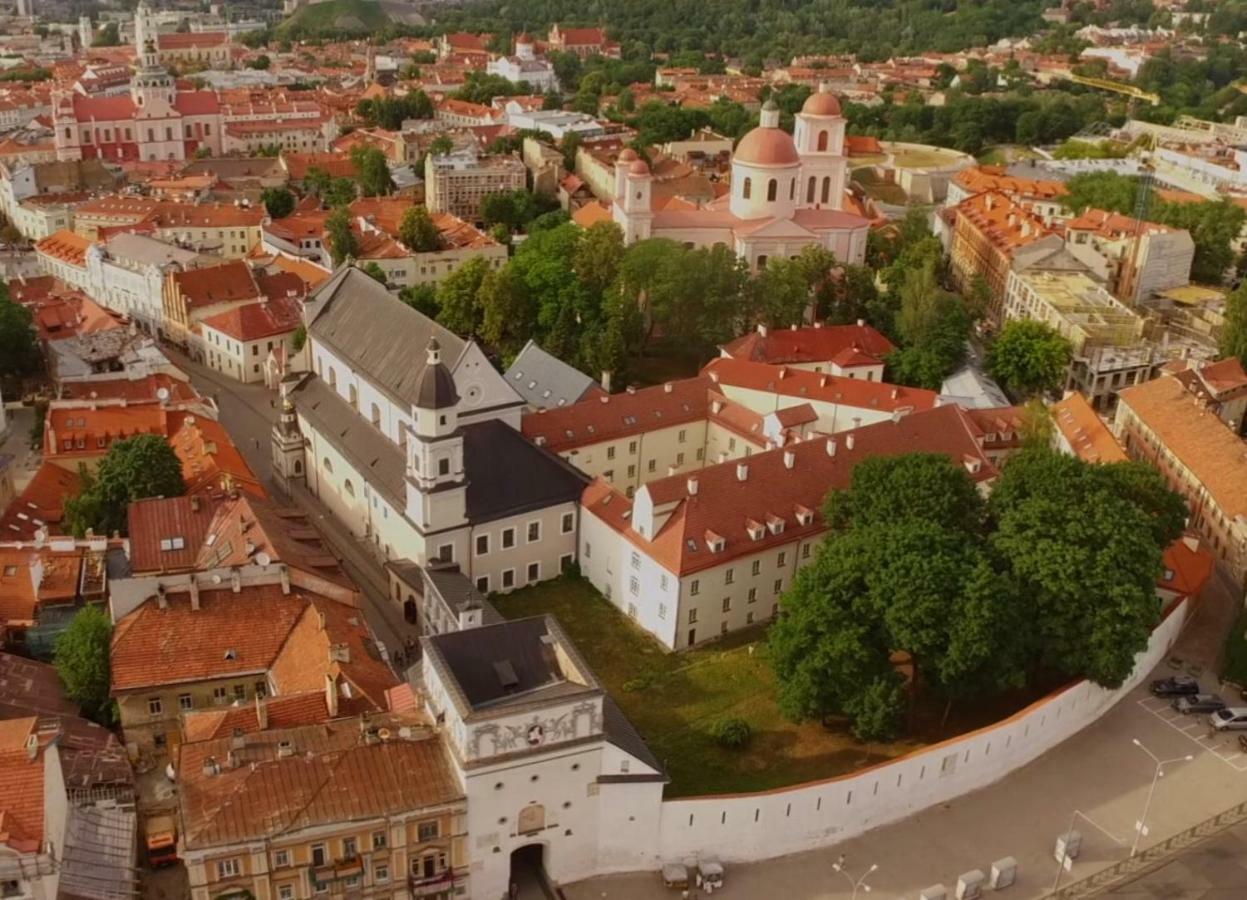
x=832, y=417
x=761, y=826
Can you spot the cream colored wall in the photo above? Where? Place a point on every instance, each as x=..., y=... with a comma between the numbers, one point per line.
x=141, y=726
x=629, y=459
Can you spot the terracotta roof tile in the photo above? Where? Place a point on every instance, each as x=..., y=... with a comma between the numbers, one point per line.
x=21, y=810
x=167, y=533
x=1088, y=436
x=813, y=386
x=255, y=321
x=41, y=503
x=821, y=343
x=229, y=282
x=613, y=416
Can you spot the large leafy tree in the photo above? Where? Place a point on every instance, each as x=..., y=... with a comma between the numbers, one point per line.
x=19, y=351
x=133, y=469
x=1234, y=331
x=933, y=326
x=82, y=660
x=278, y=201
x=343, y=242
x=914, y=486
x=418, y=231
x=458, y=297
x=373, y=171
x=1084, y=544
x=1029, y=358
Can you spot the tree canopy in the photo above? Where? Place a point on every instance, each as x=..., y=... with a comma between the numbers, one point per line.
x=373, y=171
x=19, y=350
x=278, y=201
x=133, y=469
x=418, y=231
x=1234, y=331
x=1029, y=357
x=82, y=660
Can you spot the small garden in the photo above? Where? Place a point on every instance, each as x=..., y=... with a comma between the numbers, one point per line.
x=710, y=714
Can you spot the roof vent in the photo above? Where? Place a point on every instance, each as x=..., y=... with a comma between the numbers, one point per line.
x=692, y=487
x=506, y=675
x=831, y=446
x=742, y=472
x=285, y=749
x=848, y=441
x=667, y=388
x=211, y=766
x=790, y=459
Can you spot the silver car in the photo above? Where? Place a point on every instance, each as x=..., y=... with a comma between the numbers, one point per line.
x=1198, y=703
x=1232, y=718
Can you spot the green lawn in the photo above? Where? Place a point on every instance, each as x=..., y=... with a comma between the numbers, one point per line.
x=347, y=15
x=673, y=698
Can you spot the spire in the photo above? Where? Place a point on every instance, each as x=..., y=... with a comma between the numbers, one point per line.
x=770, y=114
x=434, y=351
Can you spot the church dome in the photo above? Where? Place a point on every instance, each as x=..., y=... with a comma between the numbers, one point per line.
x=436, y=387
x=822, y=103
x=767, y=147
x=638, y=167
x=627, y=155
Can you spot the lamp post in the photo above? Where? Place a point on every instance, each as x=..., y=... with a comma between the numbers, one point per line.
x=1141, y=825
x=838, y=865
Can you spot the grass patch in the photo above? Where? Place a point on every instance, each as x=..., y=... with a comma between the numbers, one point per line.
x=354, y=16
x=665, y=360
x=923, y=159
x=676, y=700
x=1234, y=659
x=878, y=188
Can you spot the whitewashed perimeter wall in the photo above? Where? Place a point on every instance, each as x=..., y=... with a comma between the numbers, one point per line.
x=747, y=827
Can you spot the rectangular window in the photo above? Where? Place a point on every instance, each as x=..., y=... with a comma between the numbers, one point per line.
x=634, y=586
x=756, y=567
x=805, y=551
x=482, y=584
x=446, y=552
x=154, y=706
x=219, y=695
x=610, y=452
x=729, y=576
x=508, y=538
x=782, y=559
x=534, y=532
x=569, y=522
x=186, y=701
x=428, y=831
x=281, y=859
x=694, y=587
x=753, y=594
x=379, y=840
x=779, y=585
x=632, y=448
x=508, y=578
x=318, y=854
x=662, y=610
x=350, y=847
x=482, y=544
x=240, y=692
x=285, y=892
x=679, y=459
x=227, y=868
x=381, y=874
x=692, y=617
x=636, y=560
x=682, y=436
x=727, y=604
x=652, y=465
x=631, y=471
x=631, y=610
x=662, y=581
x=534, y=572
x=261, y=689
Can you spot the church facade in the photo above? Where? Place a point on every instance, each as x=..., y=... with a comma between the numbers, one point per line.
x=787, y=193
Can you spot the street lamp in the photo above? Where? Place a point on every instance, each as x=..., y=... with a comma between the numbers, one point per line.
x=838, y=865
x=1141, y=825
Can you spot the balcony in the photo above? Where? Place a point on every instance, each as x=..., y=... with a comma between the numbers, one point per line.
x=424, y=886
x=338, y=870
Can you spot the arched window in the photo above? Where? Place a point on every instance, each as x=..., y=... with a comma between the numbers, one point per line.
x=827, y=189
x=376, y=416
x=792, y=189
x=353, y=396
x=327, y=465
x=822, y=141
x=809, y=191
x=349, y=488
x=747, y=188
x=333, y=378
x=298, y=467
x=772, y=189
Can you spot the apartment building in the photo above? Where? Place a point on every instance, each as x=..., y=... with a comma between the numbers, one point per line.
x=693, y=557
x=127, y=273
x=1201, y=458
x=1135, y=259
x=1042, y=196
x=1220, y=386
x=850, y=351
x=989, y=230
x=237, y=342
x=193, y=295
x=457, y=182
x=63, y=255
x=348, y=806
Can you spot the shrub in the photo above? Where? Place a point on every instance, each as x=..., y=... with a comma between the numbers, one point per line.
x=731, y=732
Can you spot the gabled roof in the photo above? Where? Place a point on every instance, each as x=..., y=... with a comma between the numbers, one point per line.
x=544, y=381
x=376, y=333
x=21, y=787
x=1085, y=432
x=814, y=386
x=41, y=503
x=256, y=321
x=210, y=461
x=230, y=282
x=607, y=417
x=818, y=343
x=166, y=533
x=1188, y=566
x=777, y=486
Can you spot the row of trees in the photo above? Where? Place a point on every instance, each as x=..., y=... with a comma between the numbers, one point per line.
x=1054, y=576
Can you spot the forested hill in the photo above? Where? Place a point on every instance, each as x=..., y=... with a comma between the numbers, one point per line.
x=872, y=29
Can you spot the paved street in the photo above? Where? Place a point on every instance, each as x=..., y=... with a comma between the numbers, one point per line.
x=1215, y=869
x=16, y=443
x=248, y=413
x=1099, y=772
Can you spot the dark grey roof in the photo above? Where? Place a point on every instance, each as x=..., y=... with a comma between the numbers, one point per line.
x=544, y=381
x=508, y=475
x=510, y=661
x=436, y=388
x=374, y=455
x=453, y=587
x=381, y=336
x=623, y=734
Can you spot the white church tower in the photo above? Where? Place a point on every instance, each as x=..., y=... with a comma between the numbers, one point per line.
x=436, y=482
x=633, y=207
x=819, y=137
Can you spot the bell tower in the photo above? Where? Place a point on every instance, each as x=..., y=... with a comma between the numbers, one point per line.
x=287, y=442
x=436, y=482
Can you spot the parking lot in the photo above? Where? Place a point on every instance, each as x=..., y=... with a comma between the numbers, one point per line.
x=1224, y=746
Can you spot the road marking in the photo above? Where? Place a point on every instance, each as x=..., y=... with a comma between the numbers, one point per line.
x=1195, y=728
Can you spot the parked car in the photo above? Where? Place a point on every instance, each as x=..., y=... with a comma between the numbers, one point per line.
x=1175, y=686
x=1232, y=718
x=1198, y=703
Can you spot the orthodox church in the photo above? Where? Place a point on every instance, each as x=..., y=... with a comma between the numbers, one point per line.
x=787, y=192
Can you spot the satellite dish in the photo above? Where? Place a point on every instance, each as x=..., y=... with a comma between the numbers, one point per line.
x=216, y=579
x=162, y=394
x=263, y=558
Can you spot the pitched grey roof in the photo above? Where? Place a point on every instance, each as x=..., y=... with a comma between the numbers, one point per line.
x=379, y=335
x=508, y=475
x=623, y=734
x=458, y=592
x=544, y=381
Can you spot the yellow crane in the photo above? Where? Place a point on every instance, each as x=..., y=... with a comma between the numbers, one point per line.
x=1117, y=87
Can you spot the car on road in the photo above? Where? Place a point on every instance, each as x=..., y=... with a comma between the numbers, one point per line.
x=1198, y=703
x=1175, y=686
x=1232, y=718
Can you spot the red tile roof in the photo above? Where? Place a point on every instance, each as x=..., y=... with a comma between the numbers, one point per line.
x=1088, y=436
x=1112, y=224
x=82, y=431
x=65, y=245
x=210, y=461
x=1188, y=566
x=132, y=390
x=613, y=416
x=286, y=711
x=167, y=533
x=229, y=282
x=41, y=504
x=256, y=321
x=21, y=787
x=18, y=597
x=195, y=103
x=994, y=178
x=104, y=109
x=819, y=343
x=335, y=164
x=813, y=386
x=724, y=506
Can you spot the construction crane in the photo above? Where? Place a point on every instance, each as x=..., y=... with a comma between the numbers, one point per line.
x=1117, y=87
x=1144, y=195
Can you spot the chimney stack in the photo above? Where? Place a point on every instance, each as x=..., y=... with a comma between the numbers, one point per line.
x=235, y=581
x=161, y=600
x=606, y=380
x=285, y=580
x=331, y=696
x=831, y=446
x=261, y=712
x=692, y=487
x=790, y=459
x=848, y=441
x=194, y=594
x=667, y=388
x=761, y=329
x=742, y=472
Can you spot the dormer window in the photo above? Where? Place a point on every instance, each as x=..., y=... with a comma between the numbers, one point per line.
x=715, y=542
x=774, y=524
x=804, y=516
x=755, y=529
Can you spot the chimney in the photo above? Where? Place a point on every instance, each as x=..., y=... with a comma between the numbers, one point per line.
x=831, y=446
x=340, y=653
x=761, y=329
x=194, y=594
x=692, y=487
x=790, y=459
x=666, y=388
x=857, y=421
x=631, y=389
x=331, y=696
x=210, y=766
x=896, y=392
x=671, y=470
x=861, y=323
x=194, y=504
x=285, y=580
x=818, y=324
x=848, y=441
x=161, y=600
x=606, y=380
x=235, y=581
x=742, y=472
x=261, y=712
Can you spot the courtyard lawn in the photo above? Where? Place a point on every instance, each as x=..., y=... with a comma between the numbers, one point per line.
x=674, y=698
x=922, y=157
x=879, y=189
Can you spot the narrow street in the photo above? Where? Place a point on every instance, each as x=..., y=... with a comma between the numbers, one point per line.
x=248, y=412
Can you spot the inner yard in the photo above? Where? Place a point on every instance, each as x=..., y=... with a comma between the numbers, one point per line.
x=674, y=699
